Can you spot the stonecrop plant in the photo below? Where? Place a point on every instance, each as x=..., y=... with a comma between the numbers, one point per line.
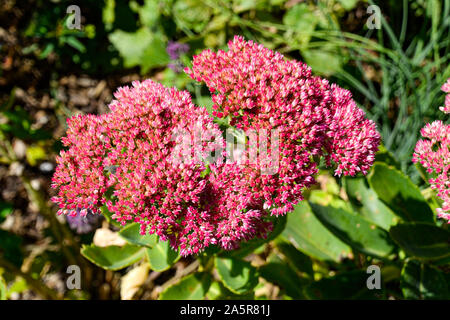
x=433, y=153
x=128, y=160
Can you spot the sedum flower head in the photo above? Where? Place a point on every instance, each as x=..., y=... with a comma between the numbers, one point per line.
x=433, y=153
x=256, y=88
x=133, y=160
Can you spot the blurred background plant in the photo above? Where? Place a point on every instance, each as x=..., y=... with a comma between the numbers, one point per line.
x=49, y=72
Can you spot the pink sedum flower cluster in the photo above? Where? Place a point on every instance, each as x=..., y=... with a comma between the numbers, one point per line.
x=129, y=159
x=433, y=153
x=257, y=88
x=446, y=89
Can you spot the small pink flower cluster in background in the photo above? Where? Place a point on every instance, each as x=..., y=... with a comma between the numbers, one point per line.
x=433, y=153
x=128, y=160
x=446, y=89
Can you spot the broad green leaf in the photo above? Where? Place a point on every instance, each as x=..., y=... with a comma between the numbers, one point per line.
x=237, y=275
x=149, y=13
x=385, y=156
x=3, y=288
x=367, y=202
x=296, y=259
x=422, y=240
x=421, y=281
x=141, y=48
x=113, y=257
x=155, y=55
x=349, y=286
x=191, y=14
x=355, y=230
x=191, y=287
x=131, y=234
x=131, y=46
x=324, y=61
x=161, y=256
x=300, y=18
x=399, y=193
x=310, y=236
x=282, y=274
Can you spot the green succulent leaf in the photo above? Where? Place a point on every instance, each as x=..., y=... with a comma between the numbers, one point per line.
x=355, y=230
x=367, y=203
x=131, y=234
x=237, y=275
x=191, y=287
x=113, y=257
x=281, y=273
x=422, y=281
x=399, y=193
x=141, y=48
x=295, y=258
x=161, y=256
x=423, y=241
x=311, y=237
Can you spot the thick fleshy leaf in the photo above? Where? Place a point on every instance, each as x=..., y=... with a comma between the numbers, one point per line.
x=423, y=241
x=295, y=258
x=399, y=193
x=141, y=47
x=161, y=256
x=282, y=274
x=311, y=237
x=366, y=202
x=355, y=230
x=131, y=234
x=113, y=257
x=385, y=156
x=191, y=287
x=349, y=286
x=421, y=281
x=237, y=275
